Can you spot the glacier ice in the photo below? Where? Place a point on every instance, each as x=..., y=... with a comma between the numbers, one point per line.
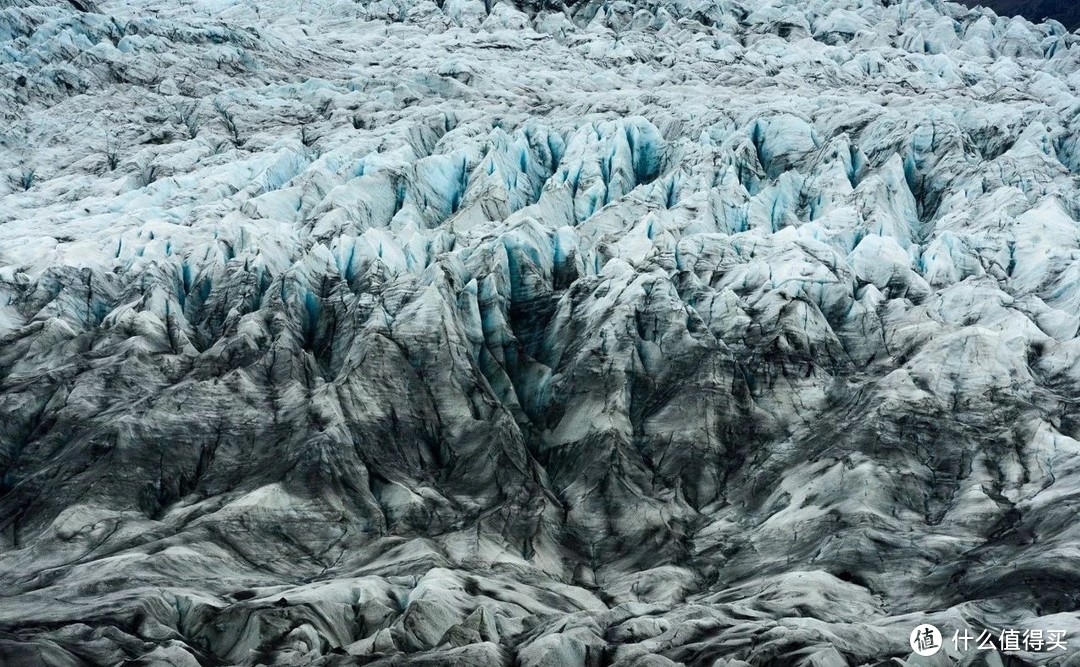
x=540, y=333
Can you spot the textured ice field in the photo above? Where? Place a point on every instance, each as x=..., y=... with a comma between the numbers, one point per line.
x=1066, y=11
x=482, y=333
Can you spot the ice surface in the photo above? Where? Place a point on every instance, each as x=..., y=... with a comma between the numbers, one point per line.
x=488, y=332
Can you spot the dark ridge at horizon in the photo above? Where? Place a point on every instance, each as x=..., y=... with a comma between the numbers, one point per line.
x=1066, y=11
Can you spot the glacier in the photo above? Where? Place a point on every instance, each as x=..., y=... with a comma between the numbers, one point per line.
x=538, y=333
x=1037, y=10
